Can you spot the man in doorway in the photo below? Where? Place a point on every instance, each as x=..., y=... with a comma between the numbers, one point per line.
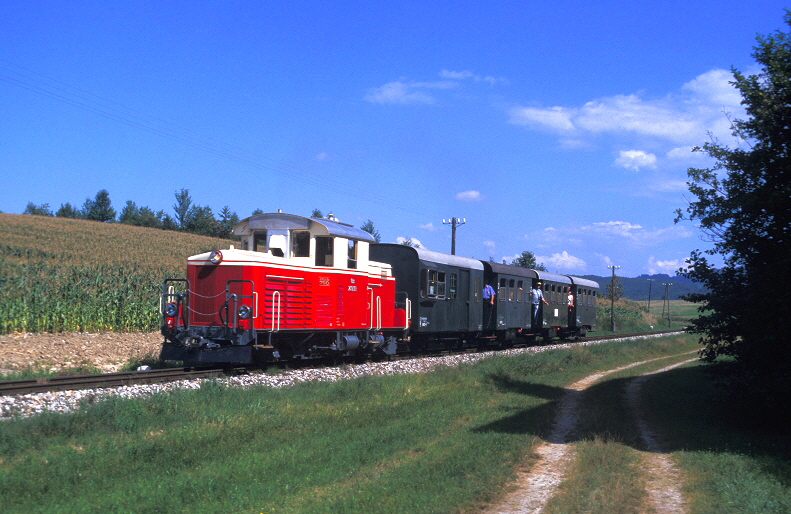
x=536, y=297
x=488, y=305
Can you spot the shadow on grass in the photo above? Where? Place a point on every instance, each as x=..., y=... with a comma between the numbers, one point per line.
x=682, y=406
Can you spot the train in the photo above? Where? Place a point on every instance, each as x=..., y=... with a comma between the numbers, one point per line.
x=302, y=288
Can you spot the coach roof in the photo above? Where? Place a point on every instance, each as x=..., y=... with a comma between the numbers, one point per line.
x=282, y=221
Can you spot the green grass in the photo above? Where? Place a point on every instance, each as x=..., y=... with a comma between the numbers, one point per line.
x=436, y=442
x=735, y=460
x=446, y=441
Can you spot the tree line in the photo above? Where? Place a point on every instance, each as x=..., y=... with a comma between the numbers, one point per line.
x=187, y=216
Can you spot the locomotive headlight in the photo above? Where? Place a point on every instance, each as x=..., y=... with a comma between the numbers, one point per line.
x=171, y=310
x=245, y=312
x=215, y=257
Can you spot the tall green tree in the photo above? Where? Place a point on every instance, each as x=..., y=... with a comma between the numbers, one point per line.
x=182, y=208
x=743, y=204
x=67, y=210
x=100, y=208
x=528, y=260
x=368, y=226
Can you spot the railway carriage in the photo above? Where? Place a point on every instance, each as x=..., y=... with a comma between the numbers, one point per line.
x=583, y=317
x=444, y=292
x=298, y=287
x=511, y=315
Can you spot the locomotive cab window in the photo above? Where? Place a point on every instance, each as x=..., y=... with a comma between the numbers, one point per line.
x=259, y=241
x=323, y=251
x=352, y=264
x=300, y=243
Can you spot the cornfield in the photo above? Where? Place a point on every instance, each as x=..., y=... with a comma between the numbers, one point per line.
x=61, y=275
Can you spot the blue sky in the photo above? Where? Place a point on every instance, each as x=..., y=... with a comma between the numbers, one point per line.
x=564, y=128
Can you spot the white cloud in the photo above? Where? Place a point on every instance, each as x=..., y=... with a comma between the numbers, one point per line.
x=618, y=232
x=415, y=242
x=490, y=246
x=714, y=87
x=684, y=116
x=554, y=118
x=428, y=226
x=416, y=92
x=670, y=266
x=636, y=159
x=562, y=262
x=397, y=93
x=466, y=74
x=469, y=196
x=323, y=156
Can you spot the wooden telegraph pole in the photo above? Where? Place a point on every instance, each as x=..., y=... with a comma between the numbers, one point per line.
x=454, y=222
x=612, y=298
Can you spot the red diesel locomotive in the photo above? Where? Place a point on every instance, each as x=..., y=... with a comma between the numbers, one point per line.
x=297, y=288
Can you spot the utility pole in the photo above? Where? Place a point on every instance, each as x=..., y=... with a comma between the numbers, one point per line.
x=667, y=300
x=454, y=222
x=612, y=298
x=650, y=283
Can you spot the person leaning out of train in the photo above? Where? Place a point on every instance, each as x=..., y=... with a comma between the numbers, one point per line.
x=488, y=293
x=536, y=297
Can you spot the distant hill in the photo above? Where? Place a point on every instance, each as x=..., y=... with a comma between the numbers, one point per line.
x=637, y=288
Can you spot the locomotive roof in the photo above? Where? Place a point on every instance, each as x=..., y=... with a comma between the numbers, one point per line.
x=282, y=221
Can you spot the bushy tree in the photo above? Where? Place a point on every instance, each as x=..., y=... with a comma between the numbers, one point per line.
x=368, y=226
x=67, y=210
x=528, y=260
x=100, y=208
x=743, y=204
x=613, y=290
x=226, y=223
x=37, y=210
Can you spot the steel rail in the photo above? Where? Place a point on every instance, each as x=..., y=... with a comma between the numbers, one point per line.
x=72, y=382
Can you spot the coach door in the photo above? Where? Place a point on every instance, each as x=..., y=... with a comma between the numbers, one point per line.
x=463, y=301
x=456, y=298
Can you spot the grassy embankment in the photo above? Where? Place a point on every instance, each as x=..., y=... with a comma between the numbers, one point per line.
x=445, y=441
x=65, y=275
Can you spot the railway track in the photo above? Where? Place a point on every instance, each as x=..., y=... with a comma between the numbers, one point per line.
x=72, y=382
x=106, y=380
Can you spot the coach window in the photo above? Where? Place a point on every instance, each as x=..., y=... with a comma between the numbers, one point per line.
x=429, y=283
x=259, y=241
x=519, y=291
x=440, y=284
x=300, y=243
x=511, y=290
x=323, y=251
x=452, y=284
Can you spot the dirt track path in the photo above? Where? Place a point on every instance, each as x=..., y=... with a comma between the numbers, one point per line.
x=537, y=486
